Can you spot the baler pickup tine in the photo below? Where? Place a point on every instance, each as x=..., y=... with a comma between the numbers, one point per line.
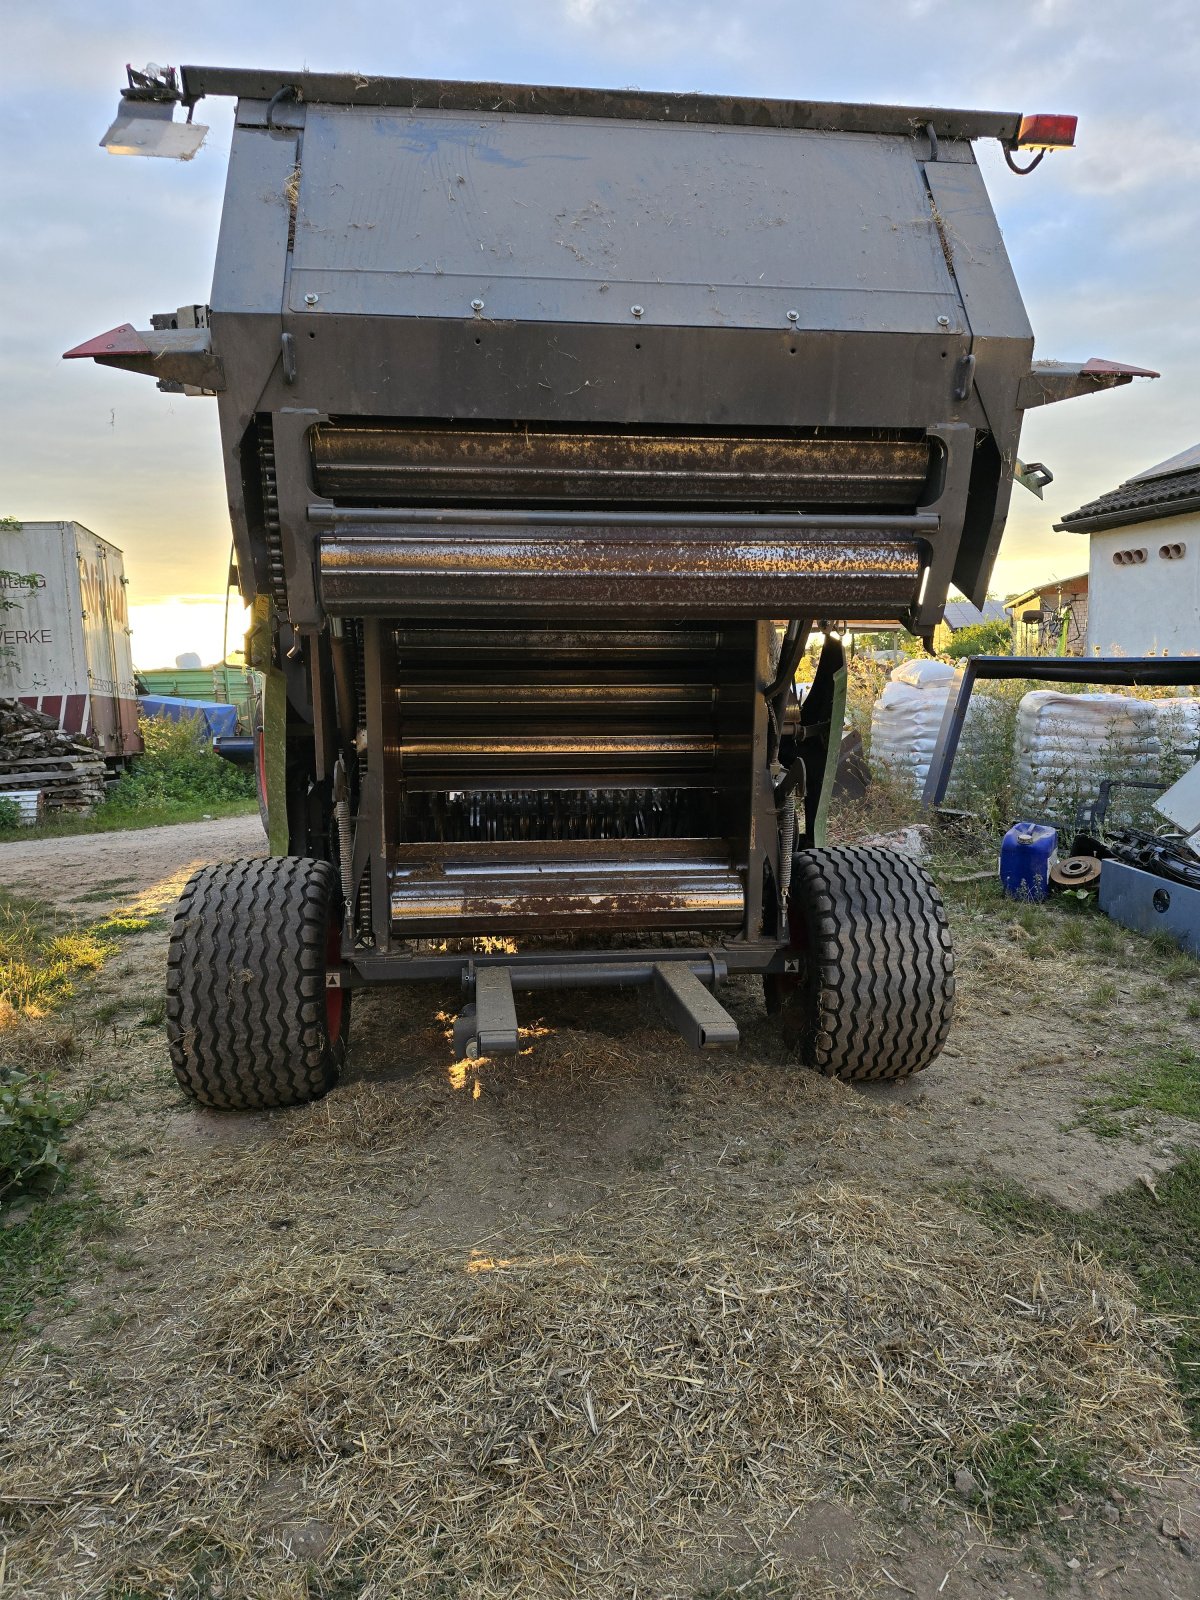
x=488, y=1025
x=692, y=1009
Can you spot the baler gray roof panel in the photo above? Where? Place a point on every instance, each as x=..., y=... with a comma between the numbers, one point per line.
x=418, y=214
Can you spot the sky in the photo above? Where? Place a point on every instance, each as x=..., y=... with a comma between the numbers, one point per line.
x=1105, y=239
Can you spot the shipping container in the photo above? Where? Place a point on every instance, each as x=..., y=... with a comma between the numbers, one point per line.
x=64, y=643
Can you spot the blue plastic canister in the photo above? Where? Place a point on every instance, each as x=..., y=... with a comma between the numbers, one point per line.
x=1025, y=854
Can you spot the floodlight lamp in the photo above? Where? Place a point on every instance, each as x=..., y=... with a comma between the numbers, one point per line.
x=145, y=121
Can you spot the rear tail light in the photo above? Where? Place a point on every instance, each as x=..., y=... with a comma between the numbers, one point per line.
x=1046, y=132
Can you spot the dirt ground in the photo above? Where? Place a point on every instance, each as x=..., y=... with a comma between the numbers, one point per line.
x=604, y=1148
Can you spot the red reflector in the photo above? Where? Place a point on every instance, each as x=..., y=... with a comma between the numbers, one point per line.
x=1047, y=132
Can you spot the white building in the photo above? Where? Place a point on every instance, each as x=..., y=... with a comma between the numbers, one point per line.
x=1144, y=565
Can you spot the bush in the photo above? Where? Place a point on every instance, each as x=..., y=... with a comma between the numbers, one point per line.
x=10, y=814
x=981, y=639
x=32, y=1122
x=178, y=765
x=984, y=776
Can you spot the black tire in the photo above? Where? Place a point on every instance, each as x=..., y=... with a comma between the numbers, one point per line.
x=250, y=1021
x=875, y=994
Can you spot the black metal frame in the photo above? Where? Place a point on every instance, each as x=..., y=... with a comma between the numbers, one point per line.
x=628, y=105
x=1133, y=670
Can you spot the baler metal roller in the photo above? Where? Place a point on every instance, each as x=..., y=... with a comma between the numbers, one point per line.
x=598, y=893
x=510, y=760
x=384, y=464
x=747, y=567
x=526, y=701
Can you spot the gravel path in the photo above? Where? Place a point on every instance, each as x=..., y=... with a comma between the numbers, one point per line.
x=131, y=863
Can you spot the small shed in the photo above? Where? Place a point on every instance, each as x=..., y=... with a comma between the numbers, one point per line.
x=1144, y=555
x=1051, y=619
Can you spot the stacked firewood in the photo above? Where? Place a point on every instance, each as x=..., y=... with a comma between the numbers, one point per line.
x=35, y=753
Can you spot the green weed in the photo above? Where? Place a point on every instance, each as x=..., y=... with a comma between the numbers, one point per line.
x=33, y=1120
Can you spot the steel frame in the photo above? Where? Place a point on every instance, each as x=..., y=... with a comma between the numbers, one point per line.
x=1133, y=670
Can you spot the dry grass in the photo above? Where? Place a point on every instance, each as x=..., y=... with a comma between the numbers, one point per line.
x=353, y=1351
x=632, y=1396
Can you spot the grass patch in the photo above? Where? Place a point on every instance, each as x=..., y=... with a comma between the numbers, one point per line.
x=1025, y=1473
x=1169, y=1086
x=750, y=1584
x=42, y=956
x=35, y=1257
x=104, y=891
x=1153, y=1235
x=109, y=818
x=38, y=1247
x=122, y=923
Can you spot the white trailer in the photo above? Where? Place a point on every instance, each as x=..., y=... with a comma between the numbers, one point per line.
x=64, y=643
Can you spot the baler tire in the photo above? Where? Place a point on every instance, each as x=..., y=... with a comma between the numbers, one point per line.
x=876, y=994
x=250, y=1021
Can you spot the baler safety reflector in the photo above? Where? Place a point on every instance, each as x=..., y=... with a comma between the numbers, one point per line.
x=1047, y=131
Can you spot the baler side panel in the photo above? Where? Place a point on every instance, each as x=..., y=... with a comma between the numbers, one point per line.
x=249, y=283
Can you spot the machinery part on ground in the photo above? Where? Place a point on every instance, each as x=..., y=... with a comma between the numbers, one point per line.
x=1166, y=858
x=1074, y=872
x=1092, y=815
x=519, y=484
x=487, y=1025
x=256, y=1014
x=874, y=994
x=691, y=1008
x=1147, y=903
x=1180, y=806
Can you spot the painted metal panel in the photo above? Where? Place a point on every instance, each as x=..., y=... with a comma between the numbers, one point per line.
x=581, y=222
x=1146, y=903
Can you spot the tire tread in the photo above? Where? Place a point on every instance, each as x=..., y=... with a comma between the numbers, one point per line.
x=878, y=998
x=245, y=990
